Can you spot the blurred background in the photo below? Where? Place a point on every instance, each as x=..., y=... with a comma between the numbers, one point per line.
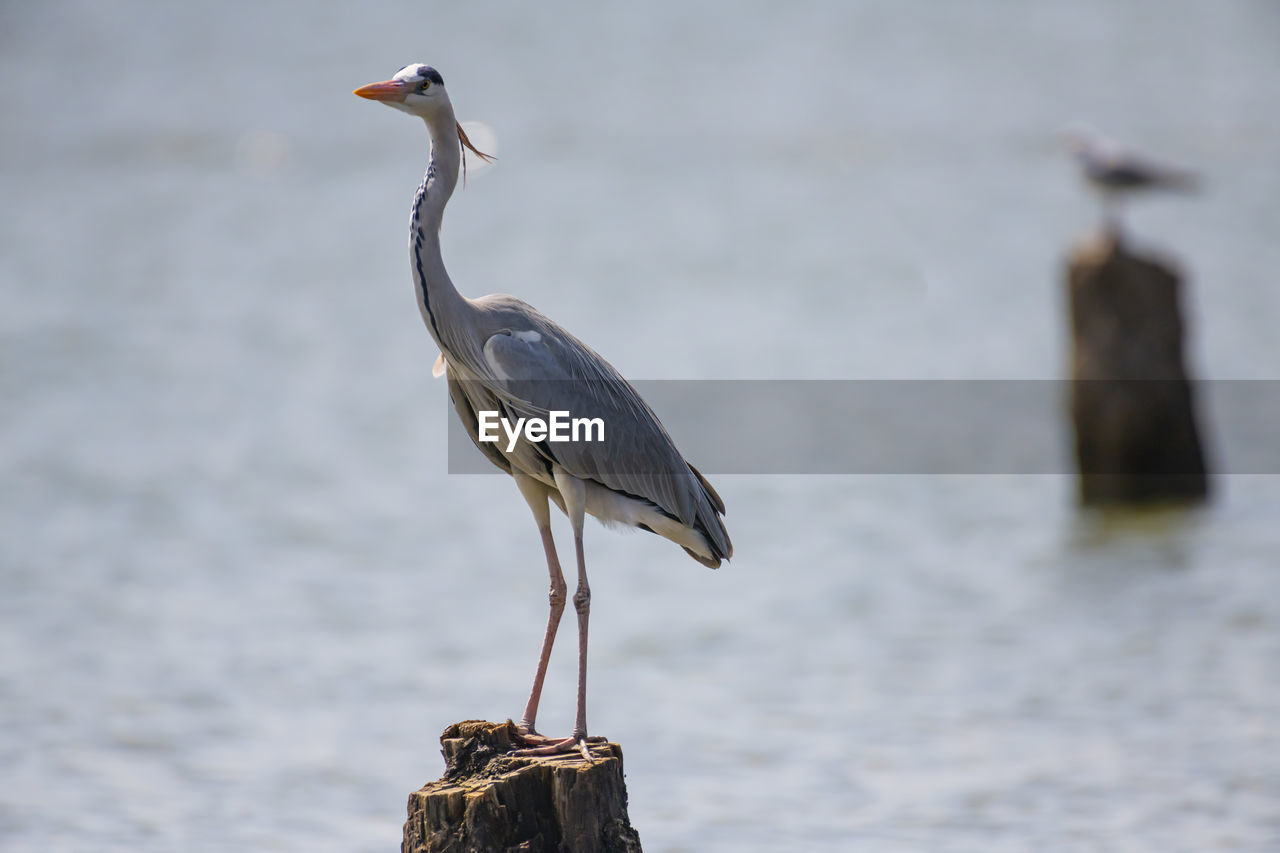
x=240, y=596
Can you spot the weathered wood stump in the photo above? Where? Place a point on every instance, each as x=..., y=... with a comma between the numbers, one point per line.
x=489, y=800
x=1132, y=405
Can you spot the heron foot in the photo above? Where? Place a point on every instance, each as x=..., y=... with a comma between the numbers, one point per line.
x=536, y=744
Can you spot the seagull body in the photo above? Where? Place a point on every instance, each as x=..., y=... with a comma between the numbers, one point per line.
x=500, y=354
x=1115, y=173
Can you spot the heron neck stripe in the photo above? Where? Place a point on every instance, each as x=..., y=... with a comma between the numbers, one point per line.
x=416, y=235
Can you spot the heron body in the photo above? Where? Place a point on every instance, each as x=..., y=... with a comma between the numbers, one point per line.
x=500, y=354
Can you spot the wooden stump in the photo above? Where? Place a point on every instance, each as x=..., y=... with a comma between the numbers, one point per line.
x=489, y=800
x=1131, y=401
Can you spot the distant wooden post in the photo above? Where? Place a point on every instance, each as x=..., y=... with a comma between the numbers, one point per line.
x=1131, y=402
x=491, y=800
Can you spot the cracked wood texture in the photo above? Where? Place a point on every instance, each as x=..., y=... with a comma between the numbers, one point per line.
x=489, y=800
x=1132, y=405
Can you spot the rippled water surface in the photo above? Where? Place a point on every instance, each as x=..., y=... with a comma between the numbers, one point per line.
x=241, y=596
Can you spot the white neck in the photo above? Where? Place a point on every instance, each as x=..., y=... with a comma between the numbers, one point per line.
x=438, y=300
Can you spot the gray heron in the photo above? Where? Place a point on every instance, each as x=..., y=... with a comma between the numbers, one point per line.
x=500, y=355
x=1115, y=172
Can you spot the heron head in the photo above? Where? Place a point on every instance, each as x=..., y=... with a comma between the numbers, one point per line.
x=415, y=89
x=418, y=90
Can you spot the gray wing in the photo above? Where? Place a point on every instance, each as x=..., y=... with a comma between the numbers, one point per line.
x=1117, y=168
x=542, y=368
x=560, y=374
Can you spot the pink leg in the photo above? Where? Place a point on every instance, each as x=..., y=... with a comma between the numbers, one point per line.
x=556, y=597
x=582, y=604
x=576, y=742
x=573, y=492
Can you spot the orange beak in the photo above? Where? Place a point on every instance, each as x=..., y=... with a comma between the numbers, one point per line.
x=387, y=90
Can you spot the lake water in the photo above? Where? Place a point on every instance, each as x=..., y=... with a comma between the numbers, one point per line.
x=241, y=595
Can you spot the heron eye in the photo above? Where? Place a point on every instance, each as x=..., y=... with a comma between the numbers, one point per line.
x=426, y=84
